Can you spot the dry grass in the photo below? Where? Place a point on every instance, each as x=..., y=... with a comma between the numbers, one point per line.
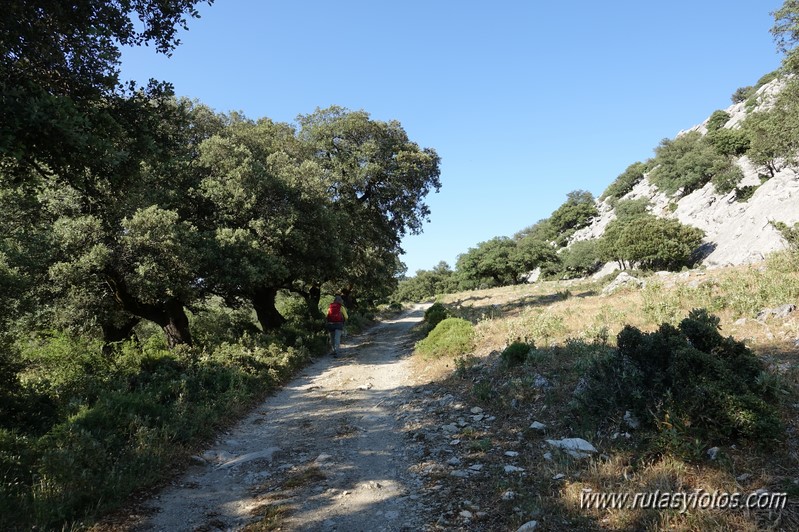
x=552, y=313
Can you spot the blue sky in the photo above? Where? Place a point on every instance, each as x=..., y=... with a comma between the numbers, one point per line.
x=524, y=101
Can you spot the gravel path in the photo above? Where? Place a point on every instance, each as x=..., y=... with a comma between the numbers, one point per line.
x=327, y=452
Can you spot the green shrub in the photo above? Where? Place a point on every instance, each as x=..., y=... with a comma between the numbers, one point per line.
x=650, y=242
x=81, y=431
x=689, y=379
x=789, y=233
x=578, y=260
x=742, y=94
x=744, y=193
x=717, y=120
x=215, y=323
x=516, y=353
x=731, y=142
x=625, y=182
x=451, y=337
x=687, y=162
x=435, y=314
x=632, y=208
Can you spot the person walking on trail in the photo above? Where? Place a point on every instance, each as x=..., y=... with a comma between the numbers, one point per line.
x=336, y=317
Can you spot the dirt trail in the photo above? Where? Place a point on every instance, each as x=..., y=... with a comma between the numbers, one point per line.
x=327, y=450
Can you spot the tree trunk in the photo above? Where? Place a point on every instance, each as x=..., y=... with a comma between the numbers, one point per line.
x=349, y=298
x=169, y=315
x=314, y=295
x=175, y=324
x=263, y=301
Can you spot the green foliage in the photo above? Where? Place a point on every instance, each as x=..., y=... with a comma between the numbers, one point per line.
x=214, y=323
x=786, y=33
x=516, y=353
x=746, y=94
x=773, y=132
x=426, y=284
x=744, y=193
x=726, y=176
x=84, y=430
x=625, y=182
x=452, y=337
x=542, y=230
x=717, y=120
x=491, y=263
x=688, y=380
x=650, y=242
x=435, y=315
x=789, y=233
x=730, y=142
x=632, y=208
x=580, y=259
x=532, y=253
x=576, y=212
x=502, y=261
x=61, y=68
x=741, y=94
x=687, y=163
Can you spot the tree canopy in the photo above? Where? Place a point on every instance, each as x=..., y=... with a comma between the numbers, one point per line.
x=650, y=242
x=126, y=204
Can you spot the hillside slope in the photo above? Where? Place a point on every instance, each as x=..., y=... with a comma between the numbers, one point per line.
x=737, y=232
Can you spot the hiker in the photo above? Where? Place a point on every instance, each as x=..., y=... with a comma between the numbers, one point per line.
x=336, y=316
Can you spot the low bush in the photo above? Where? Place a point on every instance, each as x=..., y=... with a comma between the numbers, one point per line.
x=516, y=353
x=689, y=379
x=717, y=120
x=451, y=337
x=80, y=431
x=434, y=315
x=744, y=193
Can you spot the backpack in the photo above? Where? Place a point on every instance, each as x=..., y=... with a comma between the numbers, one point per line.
x=334, y=313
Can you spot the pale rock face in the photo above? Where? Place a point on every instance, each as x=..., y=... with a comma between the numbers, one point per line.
x=736, y=232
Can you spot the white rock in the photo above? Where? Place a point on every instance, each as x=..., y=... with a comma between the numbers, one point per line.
x=537, y=425
x=217, y=456
x=476, y=410
x=631, y=420
x=559, y=476
x=511, y=453
x=622, y=280
x=513, y=469
x=509, y=495
x=267, y=454
x=528, y=526
x=574, y=447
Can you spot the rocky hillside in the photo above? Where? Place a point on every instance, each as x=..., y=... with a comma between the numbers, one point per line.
x=737, y=231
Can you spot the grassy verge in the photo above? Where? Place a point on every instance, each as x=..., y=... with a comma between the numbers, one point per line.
x=83, y=430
